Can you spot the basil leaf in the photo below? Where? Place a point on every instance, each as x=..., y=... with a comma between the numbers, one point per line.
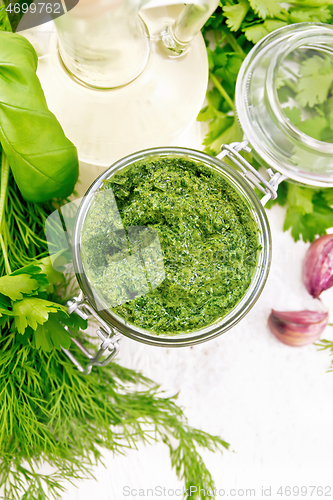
x=44, y=162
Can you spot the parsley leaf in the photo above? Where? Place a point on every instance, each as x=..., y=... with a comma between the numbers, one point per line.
x=314, y=127
x=328, y=195
x=36, y=273
x=32, y=312
x=30, y=280
x=300, y=197
x=294, y=115
x=235, y=14
x=315, y=82
x=228, y=135
x=274, y=24
x=309, y=224
x=265, y=8
x=295, y=220
x=53, y=277
x=228, y=71
x=15, y=286
x=256, y=32
x=314, y=15
x=52, y=334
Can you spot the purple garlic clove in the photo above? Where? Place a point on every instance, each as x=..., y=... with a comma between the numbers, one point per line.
x=318, y=265
x=297, y=328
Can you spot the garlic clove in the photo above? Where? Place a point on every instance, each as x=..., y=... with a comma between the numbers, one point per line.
x=297, y=328
x=318, y=265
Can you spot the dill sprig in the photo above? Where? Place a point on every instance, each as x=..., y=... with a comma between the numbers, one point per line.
x=22, y=230
x=326, y=345
x=50, y=412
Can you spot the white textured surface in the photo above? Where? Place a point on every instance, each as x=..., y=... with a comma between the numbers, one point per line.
x=273, y=403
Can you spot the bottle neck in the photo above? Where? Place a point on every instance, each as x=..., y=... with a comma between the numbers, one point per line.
x=103, y=44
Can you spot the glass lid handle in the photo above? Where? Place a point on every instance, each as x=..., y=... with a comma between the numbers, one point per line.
x=267, y=187
x=109, y=347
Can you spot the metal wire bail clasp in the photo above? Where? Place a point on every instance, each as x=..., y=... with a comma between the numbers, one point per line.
x=267, y=187
x=110, y=339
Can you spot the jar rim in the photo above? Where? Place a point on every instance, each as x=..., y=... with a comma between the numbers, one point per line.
x=252, y=293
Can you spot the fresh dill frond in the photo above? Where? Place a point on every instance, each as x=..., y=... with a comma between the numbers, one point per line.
x=50, y=412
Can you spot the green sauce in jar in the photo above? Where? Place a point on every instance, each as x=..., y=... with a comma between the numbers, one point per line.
x=169, y=245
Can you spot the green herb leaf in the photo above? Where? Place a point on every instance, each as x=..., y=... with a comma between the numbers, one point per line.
x=313, y=15
x=15, y=286
x=228, y=71
x=300, y=197
x=295, y=220
x=219, y=126
x=52, y=334
x=35, y=272
x=74, y=322
x=314, y=127
x=53, y=277
x=265, y=8
x=256, y=32
x=33, y=312
x=328, y=111
x=328, y=195
x=235, y=14
x=294, y=115
x=226, y=136
x=309, y=224
x=312, y=3
x=44, y=162
x=317, y=78
x=50, y=411
x=274, y=24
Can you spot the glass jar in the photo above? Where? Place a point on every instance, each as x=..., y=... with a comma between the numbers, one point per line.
x=283, y=97
x=245, y=192
x=281, y=120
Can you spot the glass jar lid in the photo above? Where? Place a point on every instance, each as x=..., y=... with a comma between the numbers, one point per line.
x=171, y=246
x=284, y=102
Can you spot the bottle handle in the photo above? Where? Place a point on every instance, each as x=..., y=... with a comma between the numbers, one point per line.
x=178, y=35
